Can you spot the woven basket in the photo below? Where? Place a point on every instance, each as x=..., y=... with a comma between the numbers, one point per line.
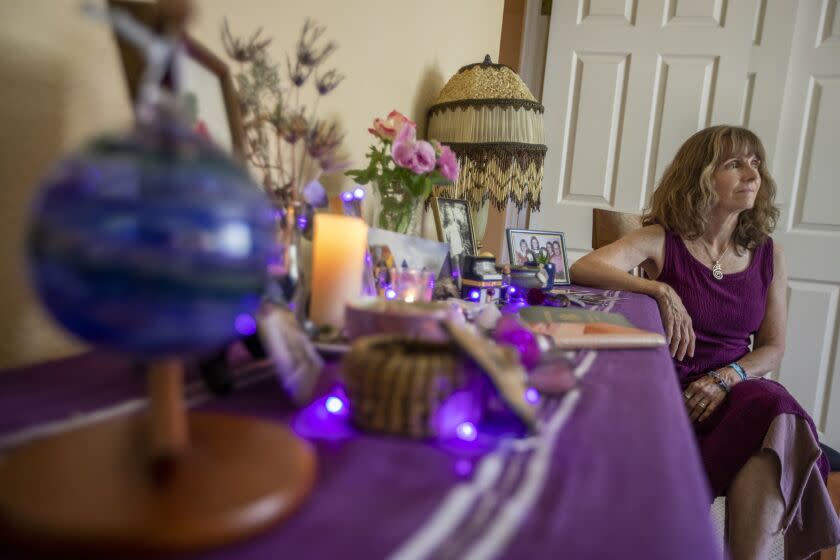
x=397, y=384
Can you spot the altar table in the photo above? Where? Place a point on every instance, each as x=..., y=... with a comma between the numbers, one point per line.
x=613, y=473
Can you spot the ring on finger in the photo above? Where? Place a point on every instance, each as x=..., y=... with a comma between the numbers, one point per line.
x=701, y=404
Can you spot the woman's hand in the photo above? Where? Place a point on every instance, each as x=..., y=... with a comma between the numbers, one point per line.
x=678, y=327
x=702, y=397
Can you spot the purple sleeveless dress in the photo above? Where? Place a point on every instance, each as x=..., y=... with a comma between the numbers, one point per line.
x=724, y=314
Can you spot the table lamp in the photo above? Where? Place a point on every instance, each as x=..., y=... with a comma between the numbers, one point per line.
x=493, y=123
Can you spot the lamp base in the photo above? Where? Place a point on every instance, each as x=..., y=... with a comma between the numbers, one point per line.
x=98, y=488
x=479, y=217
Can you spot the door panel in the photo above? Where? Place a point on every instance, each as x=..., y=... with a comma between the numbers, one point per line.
x=598, y=81
x=806, y=366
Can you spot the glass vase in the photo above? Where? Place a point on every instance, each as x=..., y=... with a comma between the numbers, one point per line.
x=289, y=268
x=397, y=209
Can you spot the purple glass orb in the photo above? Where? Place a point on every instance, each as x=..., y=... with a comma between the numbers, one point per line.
x=510, y=331
x=152, y=243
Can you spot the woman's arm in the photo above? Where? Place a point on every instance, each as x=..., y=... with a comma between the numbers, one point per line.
x=768, y=346
x=769, y=343
x=607, y=268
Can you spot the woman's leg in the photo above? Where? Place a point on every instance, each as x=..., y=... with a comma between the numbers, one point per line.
x=754, y=508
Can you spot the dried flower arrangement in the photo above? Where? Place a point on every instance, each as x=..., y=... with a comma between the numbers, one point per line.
x=289, y=145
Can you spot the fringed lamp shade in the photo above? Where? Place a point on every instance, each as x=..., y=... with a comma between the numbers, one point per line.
x=489, y=118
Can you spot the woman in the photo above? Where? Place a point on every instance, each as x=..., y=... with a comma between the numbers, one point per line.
x=535, y=245
x=522, y=253
x=452, y=232
x=718, y=277
x=557, y=259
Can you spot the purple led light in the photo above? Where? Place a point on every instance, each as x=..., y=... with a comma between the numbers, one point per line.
x=390, y=293
x=466, y=431
x=463, y=467
x=358, y=193
x=512, y=290
x=245, y=324
x=532, y=395
x=347, y=196
x=334, y=405
x=474, y=294
x=317, y=421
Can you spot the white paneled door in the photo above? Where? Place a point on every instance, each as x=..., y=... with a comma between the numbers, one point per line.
x=807, y=168
x=626, y=81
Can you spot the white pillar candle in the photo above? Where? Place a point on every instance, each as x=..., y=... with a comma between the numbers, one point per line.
x=338, y=252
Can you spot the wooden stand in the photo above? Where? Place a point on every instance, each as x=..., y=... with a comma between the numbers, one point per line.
x=153, y=482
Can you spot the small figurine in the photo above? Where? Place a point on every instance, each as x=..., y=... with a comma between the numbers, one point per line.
x=481, y=281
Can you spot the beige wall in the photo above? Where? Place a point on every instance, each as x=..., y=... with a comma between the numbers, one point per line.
x=61, y=81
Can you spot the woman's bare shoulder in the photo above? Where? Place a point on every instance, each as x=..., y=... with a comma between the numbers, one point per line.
x=652, y=235
x=641, y=244
x=654, y=230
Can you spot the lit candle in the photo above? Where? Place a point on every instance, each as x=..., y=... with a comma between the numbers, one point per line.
x=338, y=253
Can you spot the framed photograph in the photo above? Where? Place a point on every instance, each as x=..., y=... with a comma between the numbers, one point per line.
x=526, y=245
x=208, y=92
x=454, y=226
x=396, y=250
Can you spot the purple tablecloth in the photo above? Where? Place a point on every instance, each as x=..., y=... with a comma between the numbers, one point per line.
x=614, y=471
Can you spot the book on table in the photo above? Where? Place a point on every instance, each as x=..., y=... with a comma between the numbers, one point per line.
x=582, y=328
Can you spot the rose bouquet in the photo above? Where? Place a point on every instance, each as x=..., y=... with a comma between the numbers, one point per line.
x=404, y=169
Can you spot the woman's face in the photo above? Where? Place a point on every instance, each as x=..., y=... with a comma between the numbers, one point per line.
x=550, y=246
x=736, y=182
x=523, y=246
x=556, y=247
x=535, y=245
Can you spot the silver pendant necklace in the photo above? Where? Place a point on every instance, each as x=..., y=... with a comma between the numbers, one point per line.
x=717, y=271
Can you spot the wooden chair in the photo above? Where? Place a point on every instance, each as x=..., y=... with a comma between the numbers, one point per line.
x=610, y=225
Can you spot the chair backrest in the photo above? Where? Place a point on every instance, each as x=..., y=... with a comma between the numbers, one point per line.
x=609, y=225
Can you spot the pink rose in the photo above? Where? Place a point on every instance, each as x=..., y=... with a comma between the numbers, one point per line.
x=406, y=135
x=390, y=127
x=407, y=152
x=448, y=163
x=424, y=157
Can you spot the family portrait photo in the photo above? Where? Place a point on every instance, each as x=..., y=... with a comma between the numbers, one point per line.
x=529, y=246
x=454, y=226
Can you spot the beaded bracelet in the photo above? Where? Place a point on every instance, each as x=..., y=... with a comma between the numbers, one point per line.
x=739, y=370
x=719, y=380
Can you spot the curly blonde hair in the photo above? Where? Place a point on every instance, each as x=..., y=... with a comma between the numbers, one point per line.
x=685, y=196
